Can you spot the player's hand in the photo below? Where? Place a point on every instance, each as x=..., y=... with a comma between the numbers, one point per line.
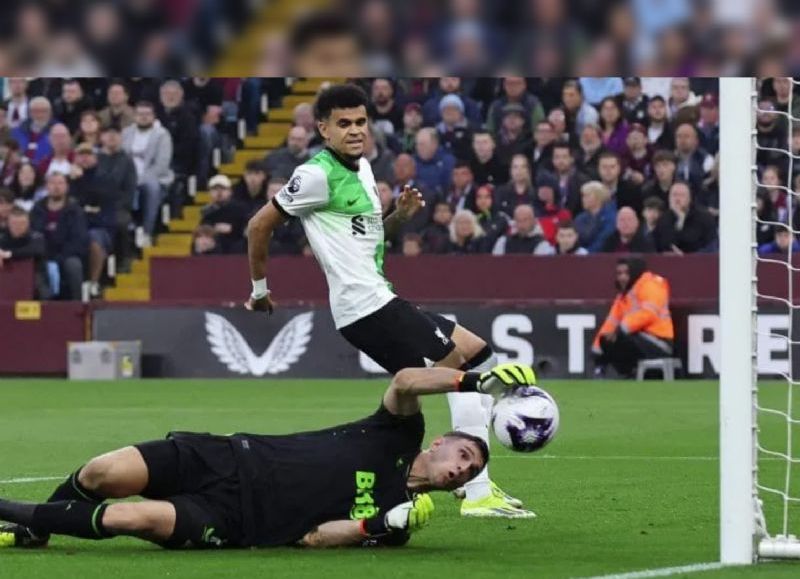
x=409, y=202
x=504, y=377
x=263, y=304
x=412, y=515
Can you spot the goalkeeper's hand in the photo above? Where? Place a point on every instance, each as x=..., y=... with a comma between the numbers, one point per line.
x=262, y=304
x=410, y=516
x=502, y=378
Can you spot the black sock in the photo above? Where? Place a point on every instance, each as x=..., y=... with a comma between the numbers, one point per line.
x=484, y=354
x=75, y=518
x=14, y=512
x=72, y=490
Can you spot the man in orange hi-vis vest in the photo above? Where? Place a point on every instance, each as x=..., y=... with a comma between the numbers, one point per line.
x=639, y=324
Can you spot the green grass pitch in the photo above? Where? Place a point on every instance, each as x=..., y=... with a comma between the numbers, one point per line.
x=630, y=483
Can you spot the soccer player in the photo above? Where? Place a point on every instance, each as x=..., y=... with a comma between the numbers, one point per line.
x=336, y=199
x=360, y=483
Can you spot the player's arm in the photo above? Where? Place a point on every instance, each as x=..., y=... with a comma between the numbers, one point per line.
x=389, y=529
x=408, y=203
x=402, y=396
x=259, y=233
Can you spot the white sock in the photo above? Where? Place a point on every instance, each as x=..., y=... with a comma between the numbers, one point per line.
x=468, y=414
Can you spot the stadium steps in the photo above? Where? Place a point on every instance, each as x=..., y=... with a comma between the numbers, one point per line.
x=133, y=280
x=273, y=127
x=290, y=101
x=127, y=294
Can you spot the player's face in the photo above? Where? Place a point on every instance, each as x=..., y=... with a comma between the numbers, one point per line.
x=454, y=461
x=345, y=131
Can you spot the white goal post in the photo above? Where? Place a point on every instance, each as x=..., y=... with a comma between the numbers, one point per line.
x=745, y=536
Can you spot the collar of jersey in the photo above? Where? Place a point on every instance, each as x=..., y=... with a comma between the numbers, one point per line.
x=349, y=165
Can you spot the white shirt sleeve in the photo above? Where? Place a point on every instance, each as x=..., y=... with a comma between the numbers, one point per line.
x=306, y=191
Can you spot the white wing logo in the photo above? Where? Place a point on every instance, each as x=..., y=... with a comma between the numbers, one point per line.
x=234, y=352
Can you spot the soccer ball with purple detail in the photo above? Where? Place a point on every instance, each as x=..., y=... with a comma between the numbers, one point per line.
x=526, y=419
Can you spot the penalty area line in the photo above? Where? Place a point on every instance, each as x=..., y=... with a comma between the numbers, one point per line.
x=29, y=479
x=664, y=571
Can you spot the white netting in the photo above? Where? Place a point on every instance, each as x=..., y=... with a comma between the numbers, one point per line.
x=777, y=476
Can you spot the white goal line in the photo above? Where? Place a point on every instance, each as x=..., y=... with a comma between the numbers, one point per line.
x=664, y=571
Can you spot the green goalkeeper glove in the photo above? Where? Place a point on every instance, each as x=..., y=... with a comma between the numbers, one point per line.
x=498, y=380
x=409, y=516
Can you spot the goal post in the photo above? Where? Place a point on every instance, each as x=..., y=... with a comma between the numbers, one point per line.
x=737, y=310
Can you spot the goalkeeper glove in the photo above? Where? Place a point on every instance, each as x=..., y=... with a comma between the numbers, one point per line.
x=409, y=516
x=498, y=380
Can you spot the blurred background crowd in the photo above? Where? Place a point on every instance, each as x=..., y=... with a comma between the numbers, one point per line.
x=400, y=37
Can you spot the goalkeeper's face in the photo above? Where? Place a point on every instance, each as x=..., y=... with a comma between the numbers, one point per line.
x=345, y=131
x=452, y=462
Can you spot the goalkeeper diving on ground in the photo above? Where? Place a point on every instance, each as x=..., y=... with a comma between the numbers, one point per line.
x=362, y=483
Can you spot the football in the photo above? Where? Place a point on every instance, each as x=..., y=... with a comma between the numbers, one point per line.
x=526, y=419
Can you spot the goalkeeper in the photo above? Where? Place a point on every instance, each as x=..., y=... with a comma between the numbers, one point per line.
x=361, y=483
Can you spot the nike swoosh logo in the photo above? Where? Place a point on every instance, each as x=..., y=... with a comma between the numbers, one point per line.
x=352, y=202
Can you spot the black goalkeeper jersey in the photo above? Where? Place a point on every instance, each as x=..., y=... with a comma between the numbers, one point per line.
x=292, y=483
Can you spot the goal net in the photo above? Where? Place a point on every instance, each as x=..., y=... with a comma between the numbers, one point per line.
x=759, y=428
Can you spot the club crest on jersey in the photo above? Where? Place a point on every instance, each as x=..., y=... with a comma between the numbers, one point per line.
x=232, y=350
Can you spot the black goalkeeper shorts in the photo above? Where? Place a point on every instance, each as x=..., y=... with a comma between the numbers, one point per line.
x=198, y=474
x=400, y=335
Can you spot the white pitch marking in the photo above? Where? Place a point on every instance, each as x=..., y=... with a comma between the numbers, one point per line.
x=29, y=479
x=664, y=571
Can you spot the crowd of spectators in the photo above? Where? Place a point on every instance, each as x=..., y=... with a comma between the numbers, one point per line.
x=86, y=166
x=527, y=166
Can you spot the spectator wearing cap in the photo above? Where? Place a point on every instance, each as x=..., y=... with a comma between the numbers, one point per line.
x=548, y=210
x=94, y=194
x=119, y=171
x=486, y=166
x=664, y=166
x=225, y=215
x=17, y=101
x=282, y=162
x=61, y=152
x=637, y=156
x=512, y=139
x=596, y=222
x=628, y=236
x=449, y=85
x=526, y=236
x=384, y=110
x=454, y=131
x=251, y=190
x=579, y=112
x=32, y=134
x=436, y=236
x=567, y=240
x=178, y=119
x=694, y=162
x=71, y=105
x=150, y=146
x=62, y=222
x=690, y=227
x=412, y=123
x=19, y=242
x=660, y=133
x=493, y=221
x=569, y=180
x=613, y=126
x=708, y=126
x=519, y=189
x=595, y=89
x=119, y=112
x=434, y=164
x=623, y=192
x=589, y=150
x=633, y=101
x=543, y=139
x=515, y=90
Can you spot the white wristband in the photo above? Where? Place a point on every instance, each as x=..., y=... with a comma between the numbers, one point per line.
x=259, y=288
